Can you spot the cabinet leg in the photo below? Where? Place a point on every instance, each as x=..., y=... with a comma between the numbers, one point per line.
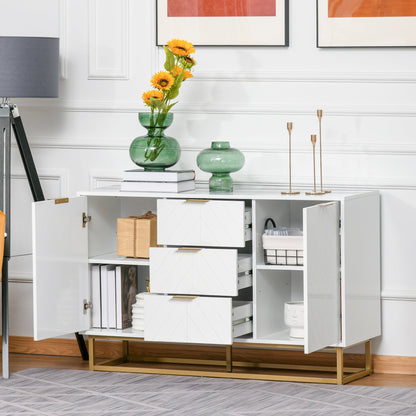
x=368, y=360
x=91, y=345
x=229, y=358
x=340, y=365
x=81, y=345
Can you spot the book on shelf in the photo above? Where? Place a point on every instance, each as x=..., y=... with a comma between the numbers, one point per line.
x=126, y=291
x=154, y=176
x=96, y=296
x=108, y=287
x=158, y=186
x=111, y=281
x=104, y=296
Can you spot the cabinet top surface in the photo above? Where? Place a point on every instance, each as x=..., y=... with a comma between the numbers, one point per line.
x=239, y=192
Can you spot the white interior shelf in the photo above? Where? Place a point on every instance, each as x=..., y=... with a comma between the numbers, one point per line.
x=278, y=267
x=278, y=338
x=112, y=258
x=111, y=332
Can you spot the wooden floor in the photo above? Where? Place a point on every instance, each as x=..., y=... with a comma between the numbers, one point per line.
x=22, y=361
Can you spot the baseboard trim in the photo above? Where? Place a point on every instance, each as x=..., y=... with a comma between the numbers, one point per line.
x=392, y=364
x=382, y=364
x=52, y=346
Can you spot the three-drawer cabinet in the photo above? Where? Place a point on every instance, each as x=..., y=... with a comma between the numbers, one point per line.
x=209, y=280
x=191, y=267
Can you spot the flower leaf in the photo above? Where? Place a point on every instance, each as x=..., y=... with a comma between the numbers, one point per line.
x=170, y=59
x=154, y=102
x=174, y=91
x=170, y=106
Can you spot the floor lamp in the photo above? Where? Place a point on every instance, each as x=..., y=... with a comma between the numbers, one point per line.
x=29, y=67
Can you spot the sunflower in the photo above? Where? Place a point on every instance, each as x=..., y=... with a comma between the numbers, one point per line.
x=152, y=94
x=181, y=47
x=162, y=80
x=188, y=61
x=177, y=70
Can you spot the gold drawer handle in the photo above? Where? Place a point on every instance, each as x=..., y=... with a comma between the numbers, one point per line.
x=184, y=297
x=197, y=200
x=61, y=201
x=189, y=249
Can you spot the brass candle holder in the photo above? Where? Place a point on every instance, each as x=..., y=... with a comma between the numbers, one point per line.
x=319, y=114
x=315, y=192
x=290, y=192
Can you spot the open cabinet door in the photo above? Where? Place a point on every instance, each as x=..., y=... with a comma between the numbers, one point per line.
x=321, y=275
x=60, y=268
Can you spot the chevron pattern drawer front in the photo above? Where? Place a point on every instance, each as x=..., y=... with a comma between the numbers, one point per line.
x=195, y=319
x=204, y=271
x=206, y=223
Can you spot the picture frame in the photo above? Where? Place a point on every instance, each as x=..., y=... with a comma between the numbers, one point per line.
x=366, y=23
x=223, y=22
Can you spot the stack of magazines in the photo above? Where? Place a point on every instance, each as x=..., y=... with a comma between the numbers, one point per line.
x=138, y=313
x=139, y=180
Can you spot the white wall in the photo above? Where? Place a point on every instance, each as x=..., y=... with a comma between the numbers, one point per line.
x=241, y=94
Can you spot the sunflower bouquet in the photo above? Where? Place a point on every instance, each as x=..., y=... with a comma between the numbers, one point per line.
x=166, y=84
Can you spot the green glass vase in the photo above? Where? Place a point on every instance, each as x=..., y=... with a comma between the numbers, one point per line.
x=220, y=160
x=155, y=151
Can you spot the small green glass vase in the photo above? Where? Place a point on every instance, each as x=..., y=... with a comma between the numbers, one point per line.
x=155, y=151
x=220, y=160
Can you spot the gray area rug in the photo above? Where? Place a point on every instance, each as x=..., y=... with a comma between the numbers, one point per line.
x=78, y=393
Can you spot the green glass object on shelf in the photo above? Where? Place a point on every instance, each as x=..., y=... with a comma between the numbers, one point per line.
x=155, y=151
x=220, y=160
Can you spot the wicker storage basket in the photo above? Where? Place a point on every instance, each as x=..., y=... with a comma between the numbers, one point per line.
x=135, y=235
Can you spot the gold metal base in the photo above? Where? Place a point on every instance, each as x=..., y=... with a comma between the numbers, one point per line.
x=327, y=192
x=290, y=193
x=232, y=369
x=315, y=193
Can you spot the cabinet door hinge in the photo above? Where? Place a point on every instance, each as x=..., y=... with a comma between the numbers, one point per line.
x=87, y=305
x=85, y=219
x=339, y=222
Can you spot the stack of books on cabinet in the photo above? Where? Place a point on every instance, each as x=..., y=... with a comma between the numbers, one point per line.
x=139, y=180
x=114, y=290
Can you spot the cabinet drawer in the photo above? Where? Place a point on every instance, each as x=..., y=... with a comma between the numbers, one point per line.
x=218, y=272
x=203, y=223
x=193, y=319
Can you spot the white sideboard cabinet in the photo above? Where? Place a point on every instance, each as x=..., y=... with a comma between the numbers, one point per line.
x=209, y=281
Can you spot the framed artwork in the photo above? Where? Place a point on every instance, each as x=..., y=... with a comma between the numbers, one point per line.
x=224, y=22
x=366, y=23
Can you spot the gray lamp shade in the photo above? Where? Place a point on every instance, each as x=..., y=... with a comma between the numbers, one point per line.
x=29, y=66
